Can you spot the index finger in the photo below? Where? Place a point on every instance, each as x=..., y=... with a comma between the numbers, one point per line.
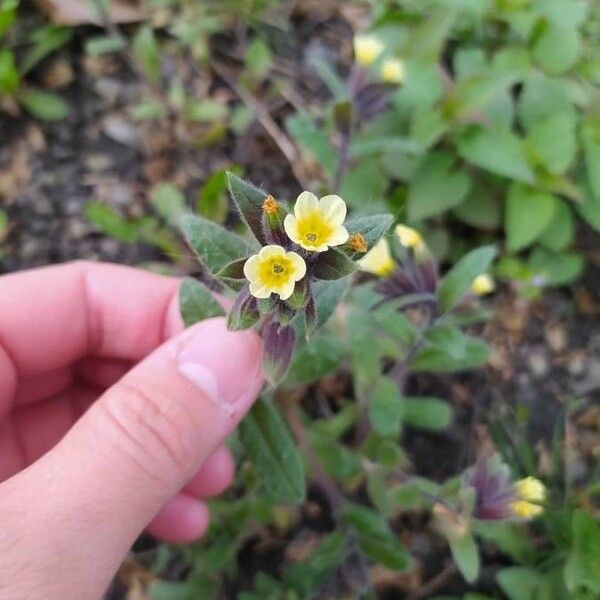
x=53, y=316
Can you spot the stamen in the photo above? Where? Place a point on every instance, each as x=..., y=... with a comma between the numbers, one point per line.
x=311, y=237
x=277, y=268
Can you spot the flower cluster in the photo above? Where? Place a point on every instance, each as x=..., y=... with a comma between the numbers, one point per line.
x=497, y=497
x=276, y=285
x=315, y=226
x=368, y=49
x=404, y=265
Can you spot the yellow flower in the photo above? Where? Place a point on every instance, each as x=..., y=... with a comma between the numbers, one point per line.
x=409, y=237
x=317, y=224
x=274, y=271
x=483, y=284
x=531, y=492
x=378, y=260
x=393, y=71
x=367, y=49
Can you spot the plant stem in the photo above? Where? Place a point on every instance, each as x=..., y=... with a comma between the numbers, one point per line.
x=343, y=161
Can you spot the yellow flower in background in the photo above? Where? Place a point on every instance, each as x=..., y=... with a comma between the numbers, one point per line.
x=367, y=49
x=317, y=224
x=274, y=271
x=409, y=237
x=483, y=284
x=531, y=492
x=378, y=260
x=392, y=71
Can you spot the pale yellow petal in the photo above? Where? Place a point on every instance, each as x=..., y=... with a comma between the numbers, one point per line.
x=393, y=71
x=378, y=260
x=367, y=49
x=333, y=209
x=306, y=203
x=291, y=228
x=251, y=268
x=270, y=251
x=409, y=237
x=299, y=265
x=286, y=290
x=483, y=284
x=258, y=290
x=338, y=237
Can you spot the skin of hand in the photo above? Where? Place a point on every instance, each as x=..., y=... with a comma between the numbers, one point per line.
x=112, y=420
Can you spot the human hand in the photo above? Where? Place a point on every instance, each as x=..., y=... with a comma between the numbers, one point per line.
x=106, y=428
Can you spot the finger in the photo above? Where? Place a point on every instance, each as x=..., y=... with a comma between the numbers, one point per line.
x=132, y=451
x=214, y=476
x=43, y=386
x=102, y=372
x=54, y=316
x=183, y=519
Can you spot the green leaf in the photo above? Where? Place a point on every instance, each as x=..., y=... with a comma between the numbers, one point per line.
x=364, y=350
x=556, y=48
x=321, y=356
x=169, y=202
x=148, y=111
x=431, y=358
x=232, y=271
x=427, y=413
x=258, y=59
x=206, y=111
x=543, y=97
x=248, y=200
x=582, y=570
x=386, y=408
x=518, y=583
x=556, y=268
x=327, y=295
x=111, y=222
x=145, y=50
x=8, y=14
x=212, y=201
x=364, y=183
x=332, y=265
x=457, y=282
x=44, y=105
x=560, y=231
x=590, y=133
x=372, y=227
x=9, y=75
x=308, y=575
x=436, y=187
x=497, y=150
x=45, y=40
x=312, y=140
x=103, y=44
x=375, y=537
x=544, y=138
x=466, y=556
x=510, y=538
x=273, y=453
x=528, y=213
x=197, y=303
x=480, y=209
x=214, y=245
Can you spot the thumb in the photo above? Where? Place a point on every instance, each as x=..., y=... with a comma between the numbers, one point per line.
x=137, y=446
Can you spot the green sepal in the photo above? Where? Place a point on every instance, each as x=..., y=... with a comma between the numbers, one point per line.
x=248, y=200
x=300, y=295
x=244, y=312
x=332, y=265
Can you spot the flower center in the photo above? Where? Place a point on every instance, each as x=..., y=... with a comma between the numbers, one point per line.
x=277, y=268
x=314, y=229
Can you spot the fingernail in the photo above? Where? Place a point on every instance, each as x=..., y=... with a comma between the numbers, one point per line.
x=224, y=365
